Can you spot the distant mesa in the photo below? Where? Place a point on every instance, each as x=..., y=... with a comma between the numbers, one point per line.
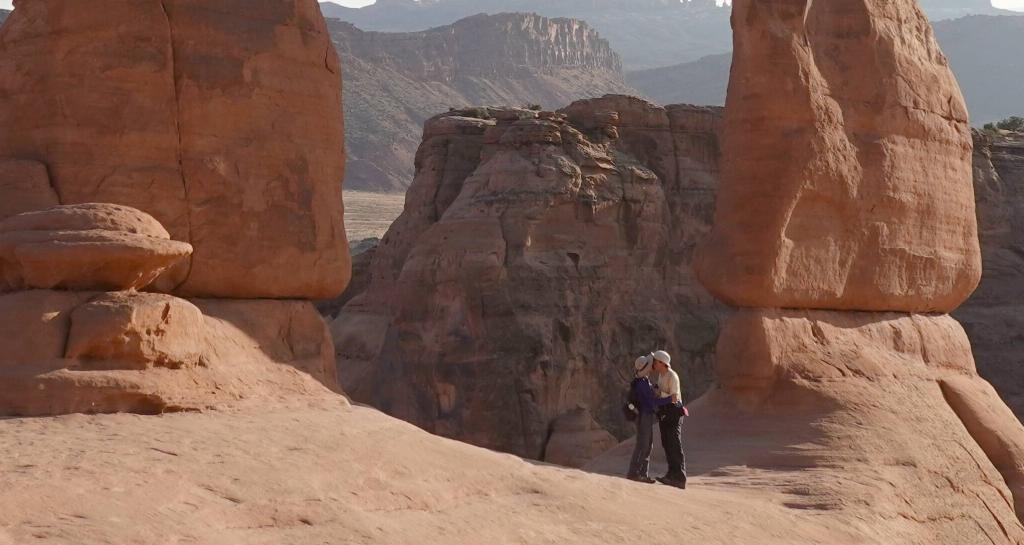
x=647, y=33
x=394, y=82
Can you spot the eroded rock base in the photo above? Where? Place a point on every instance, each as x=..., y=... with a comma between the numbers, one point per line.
x=94, y=352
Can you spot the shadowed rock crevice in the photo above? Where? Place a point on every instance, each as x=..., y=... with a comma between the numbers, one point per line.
x=177, y=131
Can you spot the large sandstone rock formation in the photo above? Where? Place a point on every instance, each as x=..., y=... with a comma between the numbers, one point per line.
x=180, y=146
x=221, y=122
x=849, y=377
x=867, y=203
x=537, y=254
x=394, y=82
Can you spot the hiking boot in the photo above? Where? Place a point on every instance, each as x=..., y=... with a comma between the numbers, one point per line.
x=673, y=482
x=645, y=480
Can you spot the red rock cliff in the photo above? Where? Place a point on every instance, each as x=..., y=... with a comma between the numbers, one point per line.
x=538, y=254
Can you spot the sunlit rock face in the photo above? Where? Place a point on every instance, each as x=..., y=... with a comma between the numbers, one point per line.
x=157, y=150
x=847, y=186
x=220, y=119
x=845, y=229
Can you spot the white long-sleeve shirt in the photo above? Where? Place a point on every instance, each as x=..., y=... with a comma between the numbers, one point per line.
x=669, y=385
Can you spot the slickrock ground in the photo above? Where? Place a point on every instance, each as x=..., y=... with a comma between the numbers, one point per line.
x=279, y=474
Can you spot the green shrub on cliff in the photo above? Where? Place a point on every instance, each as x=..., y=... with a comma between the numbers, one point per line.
x=1015, y=124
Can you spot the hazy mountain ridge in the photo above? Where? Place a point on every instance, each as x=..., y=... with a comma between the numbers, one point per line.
x=647, y=33
x=395, y=81
x=982, y=49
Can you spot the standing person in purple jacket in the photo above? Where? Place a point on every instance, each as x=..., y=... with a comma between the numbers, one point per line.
x=642, y=394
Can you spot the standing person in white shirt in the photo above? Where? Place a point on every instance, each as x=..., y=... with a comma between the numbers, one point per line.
x=670, y=420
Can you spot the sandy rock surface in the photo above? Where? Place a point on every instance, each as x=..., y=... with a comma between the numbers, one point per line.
x=223, y=123
x=849, y=179
x=278, y=475
x=66, y=352
x=576, y=438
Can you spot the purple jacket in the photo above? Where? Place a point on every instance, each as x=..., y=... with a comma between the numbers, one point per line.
x=643, y=394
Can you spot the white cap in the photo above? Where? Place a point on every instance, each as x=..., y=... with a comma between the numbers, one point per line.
x=642, y=363
x=663, y=357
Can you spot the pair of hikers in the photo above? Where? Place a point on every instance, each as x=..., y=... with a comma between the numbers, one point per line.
x=656, y=395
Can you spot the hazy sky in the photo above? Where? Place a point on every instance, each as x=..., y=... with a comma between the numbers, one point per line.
x=1008, y=4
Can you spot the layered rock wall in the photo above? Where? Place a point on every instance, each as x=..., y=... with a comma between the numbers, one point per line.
x=538, y=253
x=993, y=316
x=486, y=46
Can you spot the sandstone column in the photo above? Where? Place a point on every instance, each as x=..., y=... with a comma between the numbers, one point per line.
x=222, y=119
x=845, y=230
x=187, y=147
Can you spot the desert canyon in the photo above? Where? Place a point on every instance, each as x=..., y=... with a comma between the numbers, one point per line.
x=171, y=206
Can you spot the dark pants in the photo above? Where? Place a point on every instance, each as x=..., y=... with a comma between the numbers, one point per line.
x=671, y=425
x=640, y=463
